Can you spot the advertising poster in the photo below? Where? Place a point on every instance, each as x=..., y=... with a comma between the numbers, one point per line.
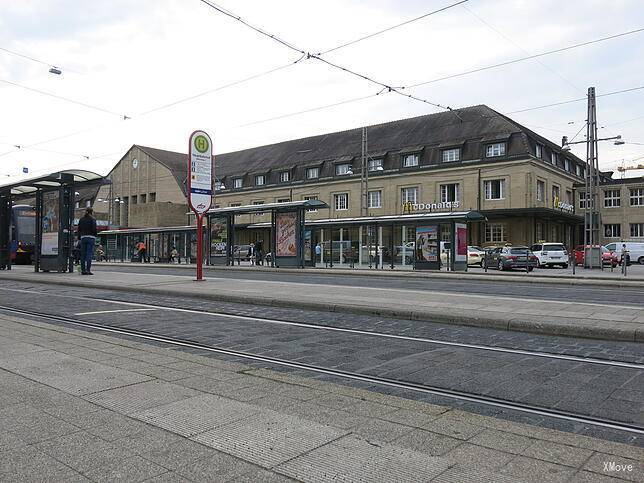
x=461, y=242
x=307, y=246
x=427, y=243
x=286, y=234
x=50, y=223
x=218, y=236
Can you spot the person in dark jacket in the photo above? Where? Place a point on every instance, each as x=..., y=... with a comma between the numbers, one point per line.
x=87, y=235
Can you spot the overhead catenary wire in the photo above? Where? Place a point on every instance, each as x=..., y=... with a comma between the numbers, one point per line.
x=33, y=59
x=523, y=59
x=388, y=29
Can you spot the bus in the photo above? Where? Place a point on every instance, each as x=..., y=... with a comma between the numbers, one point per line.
x=23, y=234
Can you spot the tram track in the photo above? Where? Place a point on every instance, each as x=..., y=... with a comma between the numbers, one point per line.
x=347, y=375
x=139, y=306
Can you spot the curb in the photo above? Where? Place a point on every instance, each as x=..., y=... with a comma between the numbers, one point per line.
x=604, y=332
x=549, y=279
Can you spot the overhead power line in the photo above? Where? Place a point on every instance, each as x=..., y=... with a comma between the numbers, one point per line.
x=66, y=99
x=33, y=59
x=523, y=59
x=407, y=22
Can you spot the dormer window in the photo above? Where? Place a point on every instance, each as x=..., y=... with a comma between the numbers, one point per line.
x=567, y=164
x=238, y=183
x=553, y=158
x=539, y=151
x=493, y=150
x=410, y=160
x=342, y=169
x=451, y=155
x=260, y=180
x=285, y=176
x=375, y=164
x=313, y=173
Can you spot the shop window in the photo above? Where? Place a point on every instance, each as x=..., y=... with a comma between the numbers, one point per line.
x=612, y=199
x=341, y=201
x=451, y=155
x=494, y=189
x=238, y=183
x=410, y=160
x=493, y=150
x=495, y=233
x=637, y=230
x=637, y=196
x=538, y=231
x=449, y=192
x=285, y=176
x=260, y=180
x=312, y=173
x=375, y=164
x=375, y=199
x=409, y=195
x=613, y=230
x=342, y=169
x=541, y=190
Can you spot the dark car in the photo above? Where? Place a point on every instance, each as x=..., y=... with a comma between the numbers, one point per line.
x=507, y=258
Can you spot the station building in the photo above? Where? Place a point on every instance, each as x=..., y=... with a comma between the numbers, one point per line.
x=470, y=159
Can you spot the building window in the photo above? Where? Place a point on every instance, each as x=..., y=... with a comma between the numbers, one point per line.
x=219, y=185
x=612, y=199
x=582, y=201
x=312, y=173
x=374, y=199
x=375, y=164
x=341, y=201
x=578, y=170
x=496, y=149
x=637, y=230
x=235, y=204
x=613, y=230
x=410, y=195
x=569, y=199
x=77, y=205
x=260, y=180
x=342, y=169
x=553, y=158
x=258, y=202
x=556, y=192
x=410, y=160
x=495, y=233
x=539, y=151
x=144, y=198
x=539, y=231
x=451, y=155
x=134, y=199
x=152, y=198
x=637, y=196
x=494, y=189
x=238, y=183
x=285, y=176
x=310, y=197
x=449, y=193
x=283, y=200
x=541, y=190
x=567, y=164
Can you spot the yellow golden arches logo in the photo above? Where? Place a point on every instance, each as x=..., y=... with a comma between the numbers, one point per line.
x=408, y=207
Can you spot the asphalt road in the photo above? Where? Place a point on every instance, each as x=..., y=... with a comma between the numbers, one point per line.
x=513, y=288
x=583, y=388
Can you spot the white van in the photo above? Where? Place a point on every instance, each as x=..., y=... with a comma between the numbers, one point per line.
x=635, y=250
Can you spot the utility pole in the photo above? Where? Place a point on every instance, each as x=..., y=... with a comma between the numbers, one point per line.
x=364, y=176
x=591, y=212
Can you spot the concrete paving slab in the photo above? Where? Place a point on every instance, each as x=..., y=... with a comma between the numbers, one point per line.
x=537, y=470
x=133, y=469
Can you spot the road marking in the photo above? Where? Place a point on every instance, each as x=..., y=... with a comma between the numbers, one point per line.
x=114, y=311
x=547, y=355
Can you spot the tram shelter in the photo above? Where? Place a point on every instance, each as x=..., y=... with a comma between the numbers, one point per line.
x=289, y=242
x=54, y=195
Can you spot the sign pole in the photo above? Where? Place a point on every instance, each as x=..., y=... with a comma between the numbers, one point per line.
x=199, y=182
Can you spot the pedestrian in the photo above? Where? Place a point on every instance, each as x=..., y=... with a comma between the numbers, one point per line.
x=87, y=235
x=318, y=253
x=142, y=251
x=251, y=253
x=259, y=251
x=174, y=254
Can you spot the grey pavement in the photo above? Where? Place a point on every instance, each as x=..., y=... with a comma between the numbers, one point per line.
x=601, y=319
x=82, y=406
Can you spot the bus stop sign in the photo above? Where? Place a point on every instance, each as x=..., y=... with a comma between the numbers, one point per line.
x=200, y=172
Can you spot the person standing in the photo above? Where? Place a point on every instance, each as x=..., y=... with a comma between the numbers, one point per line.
x=87, y=235
x=259, y=252
x=318, y=253
x=251, y=253
x=142, y=251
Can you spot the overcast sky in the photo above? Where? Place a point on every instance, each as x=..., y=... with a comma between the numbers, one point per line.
x=131, y=56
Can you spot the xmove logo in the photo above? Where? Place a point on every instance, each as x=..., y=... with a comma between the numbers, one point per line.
x=617, y=467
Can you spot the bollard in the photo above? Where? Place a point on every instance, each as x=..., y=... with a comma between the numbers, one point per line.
x=485, y=262
x=574, y=262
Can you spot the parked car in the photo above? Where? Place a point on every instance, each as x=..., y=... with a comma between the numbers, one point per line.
x=240, y=252
x=635, y=250
x=550, y=254
x=507, y=258
x=608, y=258
x=475, y=255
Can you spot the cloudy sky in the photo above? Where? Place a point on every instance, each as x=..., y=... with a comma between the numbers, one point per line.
x=137, y=58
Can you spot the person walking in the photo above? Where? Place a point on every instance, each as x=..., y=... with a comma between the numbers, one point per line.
x=142, y=251
x=259, y=252
x=87, y=235
x=251, y=253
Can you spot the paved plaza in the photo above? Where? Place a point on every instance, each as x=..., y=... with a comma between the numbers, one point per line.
x=83, y=406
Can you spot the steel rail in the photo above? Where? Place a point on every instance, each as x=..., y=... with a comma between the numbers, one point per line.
x=426, y=389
